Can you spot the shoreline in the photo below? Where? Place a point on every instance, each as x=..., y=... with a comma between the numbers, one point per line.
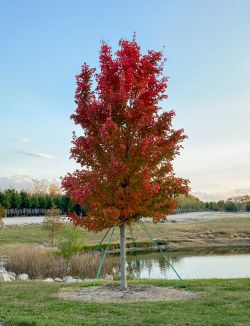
x=187, y=248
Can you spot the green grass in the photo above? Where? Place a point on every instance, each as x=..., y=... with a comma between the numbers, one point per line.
x=219, y=303
x=178, y=235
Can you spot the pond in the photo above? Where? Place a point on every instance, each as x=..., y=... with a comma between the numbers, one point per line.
x=226, y=263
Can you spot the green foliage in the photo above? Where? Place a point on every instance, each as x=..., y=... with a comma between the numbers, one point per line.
x=193, y=204
x=57, y=200
x=189, y=204
x=212, y=206
x=234, y=204
x=12, y=199
x=221, y=205
x=49, y=202
x=15, y=199
x=34, y=201
x=70, y=242
x=6, y=199
x=230, y=206
x=25, y=199
x=65, y=204
x=41, y=201
x=248, y=207
x=116, y=245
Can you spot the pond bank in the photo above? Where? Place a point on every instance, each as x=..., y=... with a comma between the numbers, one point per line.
x=227, y=232
x=181, y=248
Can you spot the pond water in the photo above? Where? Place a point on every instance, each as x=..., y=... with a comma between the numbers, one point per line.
x=233, y=263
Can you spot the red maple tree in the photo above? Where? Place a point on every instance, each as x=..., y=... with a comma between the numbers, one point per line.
x=128, y=142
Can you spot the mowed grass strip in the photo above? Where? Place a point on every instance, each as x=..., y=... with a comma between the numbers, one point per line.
x=218, y=303
x=179, y=235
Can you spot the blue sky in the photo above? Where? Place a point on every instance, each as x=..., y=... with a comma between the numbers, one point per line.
x=207, y=45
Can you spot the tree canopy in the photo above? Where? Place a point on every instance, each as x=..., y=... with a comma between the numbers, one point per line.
x=128, y=142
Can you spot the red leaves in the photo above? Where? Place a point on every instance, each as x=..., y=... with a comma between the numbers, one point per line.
x=127, y=146
x=112, y=214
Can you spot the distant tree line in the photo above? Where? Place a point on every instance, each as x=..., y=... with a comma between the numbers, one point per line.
x=23, y=203
x=189, y=204
x=194, y=204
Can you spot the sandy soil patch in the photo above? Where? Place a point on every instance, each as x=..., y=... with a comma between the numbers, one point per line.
x=134, y=293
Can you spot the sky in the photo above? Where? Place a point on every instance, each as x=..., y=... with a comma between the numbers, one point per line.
x=207, y=46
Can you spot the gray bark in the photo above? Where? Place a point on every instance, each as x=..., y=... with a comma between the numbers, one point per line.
x=123, y=281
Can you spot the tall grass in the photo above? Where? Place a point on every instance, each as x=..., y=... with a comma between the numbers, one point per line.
x=86, y=265
x=39, y=263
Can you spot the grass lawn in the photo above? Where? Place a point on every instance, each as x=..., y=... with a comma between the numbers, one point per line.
x=179, y=235
x=219, y=303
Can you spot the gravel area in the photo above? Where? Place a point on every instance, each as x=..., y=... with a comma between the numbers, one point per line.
x=134, y=293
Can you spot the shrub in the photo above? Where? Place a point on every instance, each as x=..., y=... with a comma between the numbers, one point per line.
x=70, y=242
x=116, y=245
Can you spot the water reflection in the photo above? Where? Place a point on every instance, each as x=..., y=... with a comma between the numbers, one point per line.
x=222, y=263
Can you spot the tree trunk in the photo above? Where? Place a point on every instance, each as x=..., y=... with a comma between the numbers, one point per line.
x=52, y=236
x=123, y=282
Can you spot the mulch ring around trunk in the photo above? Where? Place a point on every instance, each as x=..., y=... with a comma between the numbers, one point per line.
x=134, y=293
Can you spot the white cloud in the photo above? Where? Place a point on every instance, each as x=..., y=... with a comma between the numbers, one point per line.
x=21, y=182
x=215, y=192
x=37, y=154
x=23, y=139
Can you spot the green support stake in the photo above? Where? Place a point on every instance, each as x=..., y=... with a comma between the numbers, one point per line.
x=100, y=243
x=105, y=254
x=162, y=253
